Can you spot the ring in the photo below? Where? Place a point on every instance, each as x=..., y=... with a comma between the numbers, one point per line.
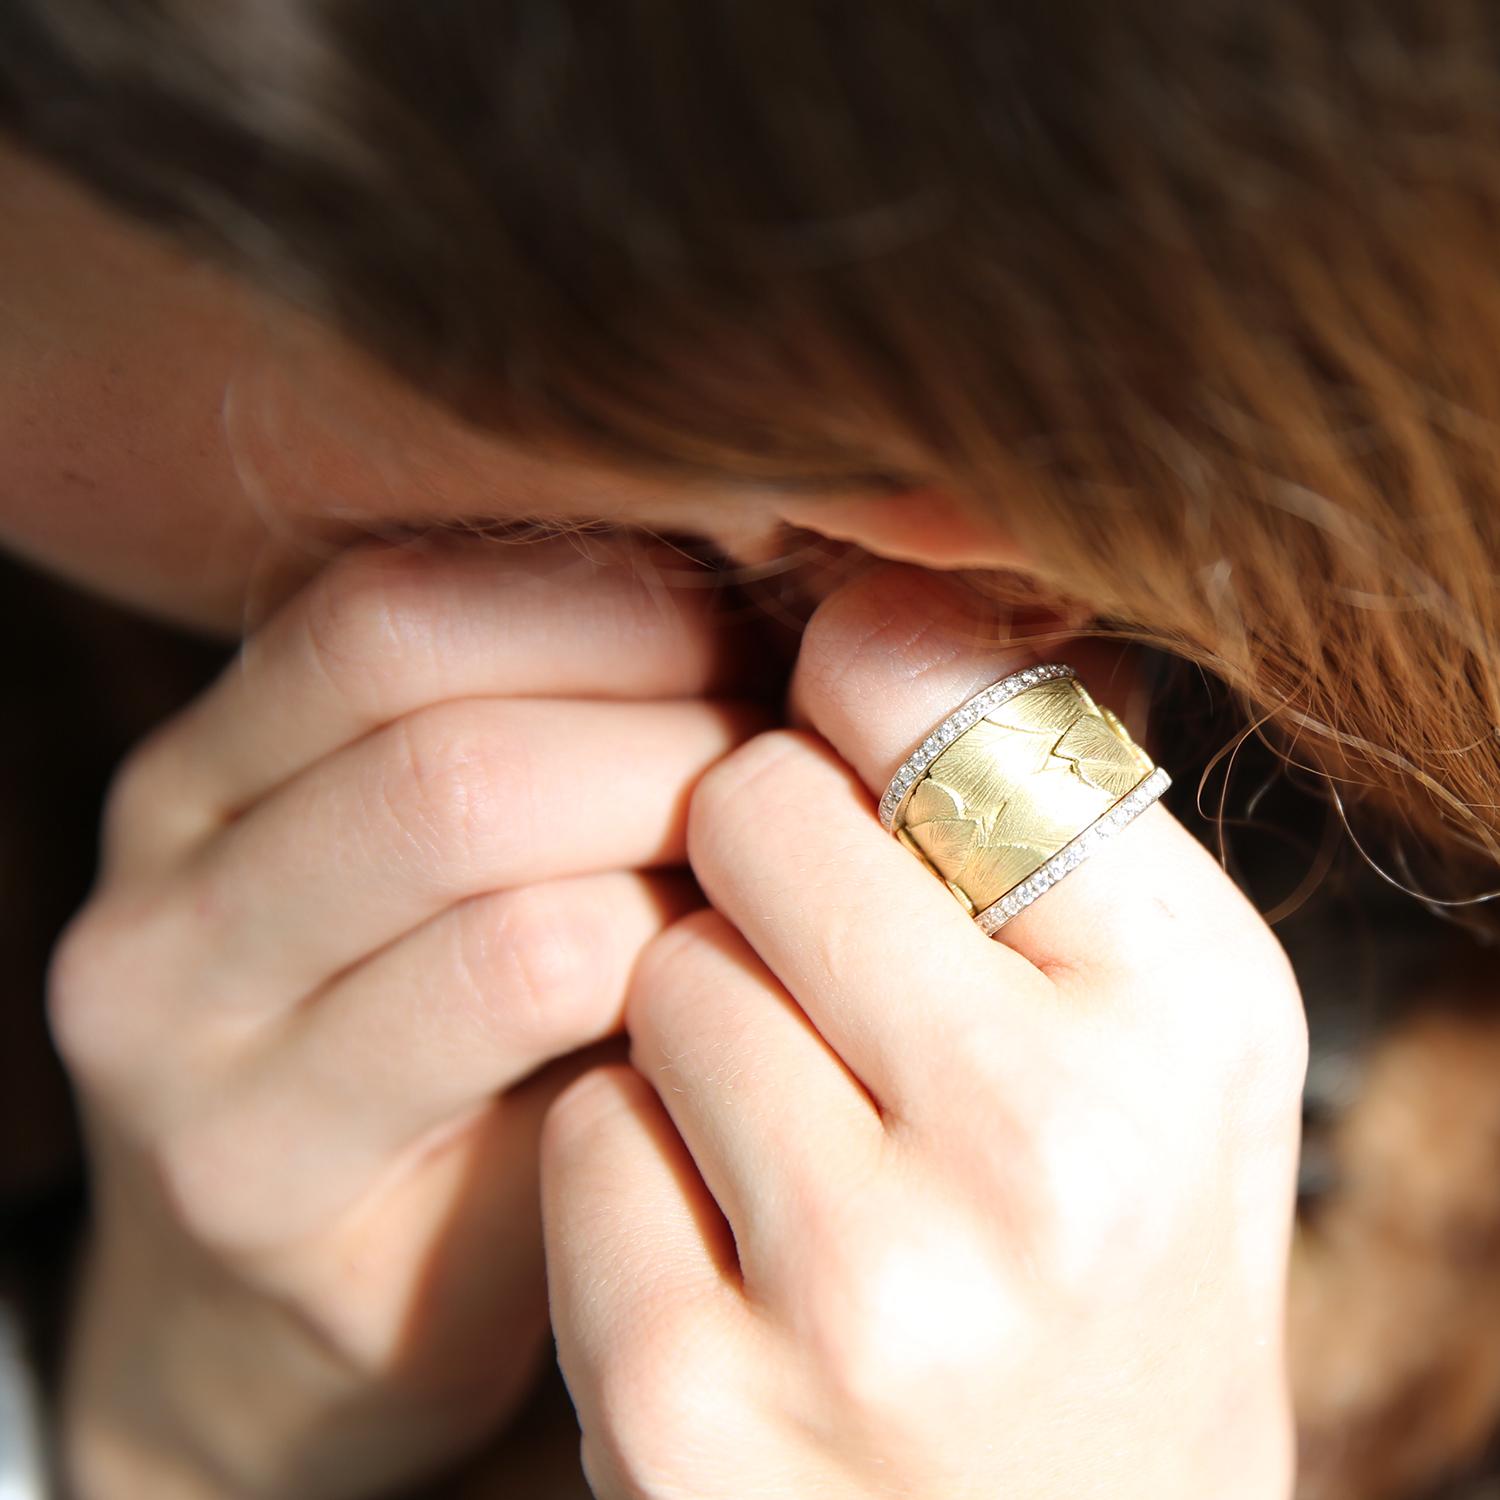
x=1015, y=788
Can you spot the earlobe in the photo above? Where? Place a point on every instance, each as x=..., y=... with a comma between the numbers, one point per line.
x=929, y=527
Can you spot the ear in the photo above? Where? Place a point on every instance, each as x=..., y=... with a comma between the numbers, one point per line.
x=928, y=526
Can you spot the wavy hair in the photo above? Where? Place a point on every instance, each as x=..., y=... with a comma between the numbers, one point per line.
x=1200, y=296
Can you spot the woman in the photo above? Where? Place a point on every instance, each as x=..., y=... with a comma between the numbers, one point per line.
x=1171, y=322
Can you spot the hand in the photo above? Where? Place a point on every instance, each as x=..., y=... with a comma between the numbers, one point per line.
x=885, y=1207
x=353, y=902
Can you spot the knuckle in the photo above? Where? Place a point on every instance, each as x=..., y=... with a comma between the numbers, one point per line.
x=1096, y=1205
x=1259, y=1040
x=91, y=1006
x=144, y=784
x=673, y=1375
x=448, y=787
x=669, y=950
x=662, y=981
x=729, y=789
x=369, y=608
x=883, y=1312
x=723, y=783
x=583, y=1111
x=1233, y=1008
x=1272, y=1063
x=77, y=982
x=531, y=964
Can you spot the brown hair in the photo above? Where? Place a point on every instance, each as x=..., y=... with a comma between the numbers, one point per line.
x=1200, y=295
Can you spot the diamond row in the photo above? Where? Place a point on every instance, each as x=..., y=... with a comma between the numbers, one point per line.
x=964, y=717
x=1073, y=853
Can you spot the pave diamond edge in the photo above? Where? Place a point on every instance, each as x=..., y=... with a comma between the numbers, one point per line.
x=1073, y=853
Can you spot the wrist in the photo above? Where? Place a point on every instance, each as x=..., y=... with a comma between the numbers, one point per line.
x=182, y=1384
x=102, y=1458
x=124, y=1426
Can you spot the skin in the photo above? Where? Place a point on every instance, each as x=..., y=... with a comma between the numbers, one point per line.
x=231, y=448
x=868, y=1215
x=351, y=1004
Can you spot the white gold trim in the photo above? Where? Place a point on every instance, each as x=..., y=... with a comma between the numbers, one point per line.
x=1073, y=853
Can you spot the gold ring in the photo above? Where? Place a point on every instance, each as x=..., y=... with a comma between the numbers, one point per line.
x=1015, y=788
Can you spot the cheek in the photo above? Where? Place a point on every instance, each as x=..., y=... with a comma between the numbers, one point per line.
x=113, y=358
x=162, y=443
x=117, y=477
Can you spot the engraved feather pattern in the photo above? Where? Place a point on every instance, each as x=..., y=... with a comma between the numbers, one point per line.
x=1006, y=795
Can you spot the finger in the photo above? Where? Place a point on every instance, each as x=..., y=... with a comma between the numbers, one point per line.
x=461, y=1010
x=892, y=654
x=457, y=800
x=765, y=1107
x=785, y=843
x=385, y=631
x=627, y=1220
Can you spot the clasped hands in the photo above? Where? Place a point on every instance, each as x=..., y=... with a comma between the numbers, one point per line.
x=874, y=1205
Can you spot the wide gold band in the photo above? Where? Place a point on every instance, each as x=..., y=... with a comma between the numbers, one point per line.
x=1016, y=787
